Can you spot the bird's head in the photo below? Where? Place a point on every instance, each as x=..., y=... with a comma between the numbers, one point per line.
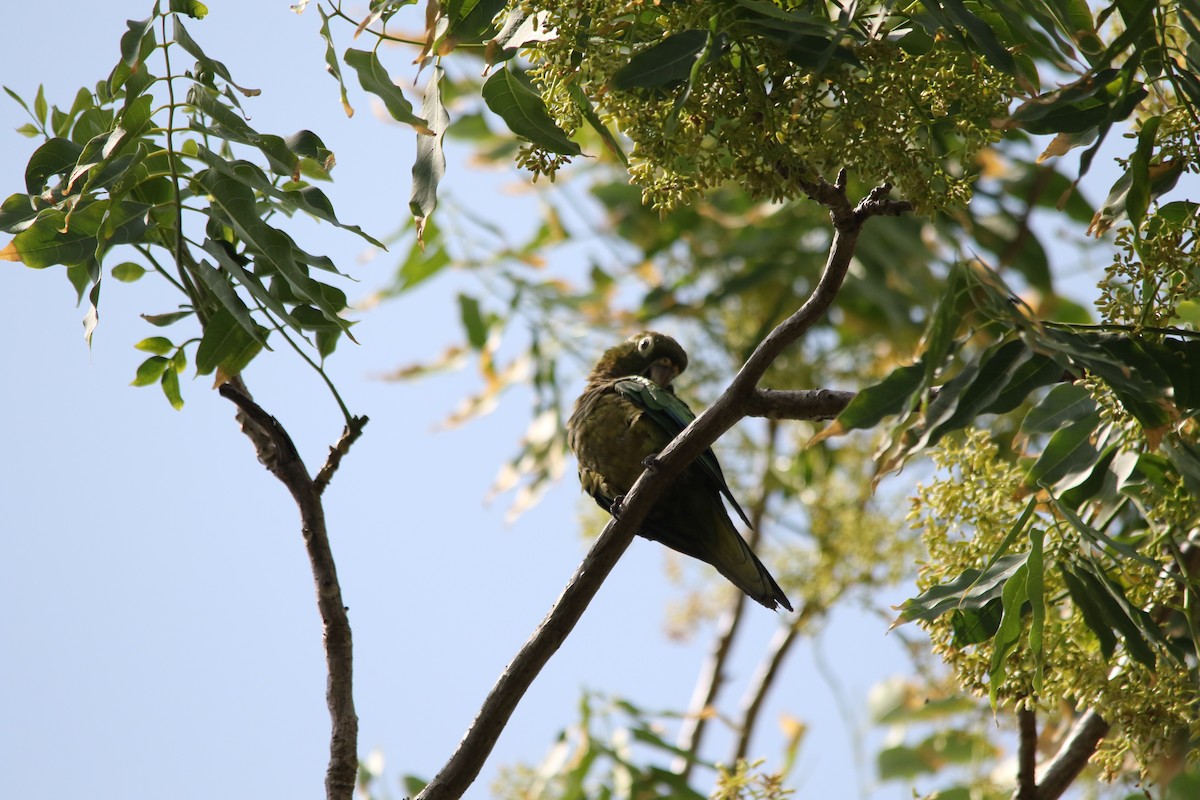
x=652, y=355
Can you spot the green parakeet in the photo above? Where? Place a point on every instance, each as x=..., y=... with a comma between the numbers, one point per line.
x=628, y=411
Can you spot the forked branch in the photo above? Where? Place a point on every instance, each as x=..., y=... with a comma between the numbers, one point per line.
x=278, y=453
x=468, y=758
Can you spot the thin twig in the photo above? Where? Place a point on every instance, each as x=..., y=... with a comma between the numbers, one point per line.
x=278, y=453
x=760, y=683
x=712, y=673
x=350, y=435
x=1027, y=754
x=464, y=765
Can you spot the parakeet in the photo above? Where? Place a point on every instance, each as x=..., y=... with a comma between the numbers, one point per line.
x=628, y=411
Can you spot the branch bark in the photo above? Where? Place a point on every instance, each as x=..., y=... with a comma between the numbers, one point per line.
x=467, y=760
x=1027, y=754
x=278, y=453
x=760, y=684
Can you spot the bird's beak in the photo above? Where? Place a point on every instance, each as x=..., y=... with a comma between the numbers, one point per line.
x=662, y=372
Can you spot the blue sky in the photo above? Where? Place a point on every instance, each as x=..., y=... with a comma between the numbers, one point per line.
x=160, y=634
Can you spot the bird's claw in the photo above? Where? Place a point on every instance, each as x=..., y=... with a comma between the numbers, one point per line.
x=650, y=463
x=617, y=506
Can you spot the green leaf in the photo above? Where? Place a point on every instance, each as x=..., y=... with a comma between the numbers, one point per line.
x=226, y=346
x=1065, y=404
x=159, y=345
x=332, y=65
x=193, y=8
x=472, y=321
x=222, y=287
x=976, y=625
x=374, y=78
x=893, y=395
x=939, y=335
x=970, y=590
x=1040, y=370
x=524, y=112
x=1093, y=617
x=584, y=104
x=170, y=387
x=471, y=20
x=132, y=50
x=55, y=157
x=430, y=164
x=57, y=238
x=665, y=64
x=1036, y=592
x=980, y=32
x=128, y=272
x=204, y=63
x=163, y=320
x=1013, y=598
x=310, y=199
x=17, y=213
x=1069, y=450
x=225, y=123
x=1137, y=200
x=237, y=207
x=963, y=398
x=150, y=371
x=249, y=280
x=1118, y=613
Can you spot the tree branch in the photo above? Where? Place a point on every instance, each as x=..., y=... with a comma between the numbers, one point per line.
x=800, y=404
x=464, y=765
x=1072, y=757
x=350, y=435
x=278, y=453
x=760, y=684
x=1027, y=754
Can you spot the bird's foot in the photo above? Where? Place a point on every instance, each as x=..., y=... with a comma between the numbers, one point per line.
x=617, y=506
x=650, y=464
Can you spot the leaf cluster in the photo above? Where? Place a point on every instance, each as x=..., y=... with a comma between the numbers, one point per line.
x=150, y=163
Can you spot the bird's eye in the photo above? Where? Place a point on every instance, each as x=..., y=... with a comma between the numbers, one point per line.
x=645, y=343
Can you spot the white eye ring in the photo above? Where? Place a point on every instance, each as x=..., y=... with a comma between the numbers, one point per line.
x=645, y=343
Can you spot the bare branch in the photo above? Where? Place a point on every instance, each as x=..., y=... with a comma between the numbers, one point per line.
x=278, y=453
x=1073, y=756
x=464, y=765
x=800, y=404
x=350, y=435
x=1027, y=754
x=761, y=682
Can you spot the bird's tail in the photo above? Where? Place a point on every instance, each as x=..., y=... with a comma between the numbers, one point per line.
x=726, y=550
x=737, y=562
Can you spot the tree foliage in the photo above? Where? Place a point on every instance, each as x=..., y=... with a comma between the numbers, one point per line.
x=1057, y=525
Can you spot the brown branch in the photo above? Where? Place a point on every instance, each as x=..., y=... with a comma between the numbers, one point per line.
x=465, y=763
x=350, y=435
x=800, y=404
x=1027, y=754
x=278, y=453
x=764, y=677
x=1072, y=757
x=712, y=672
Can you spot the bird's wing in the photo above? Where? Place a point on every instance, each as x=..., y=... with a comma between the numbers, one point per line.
x=672, y=415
